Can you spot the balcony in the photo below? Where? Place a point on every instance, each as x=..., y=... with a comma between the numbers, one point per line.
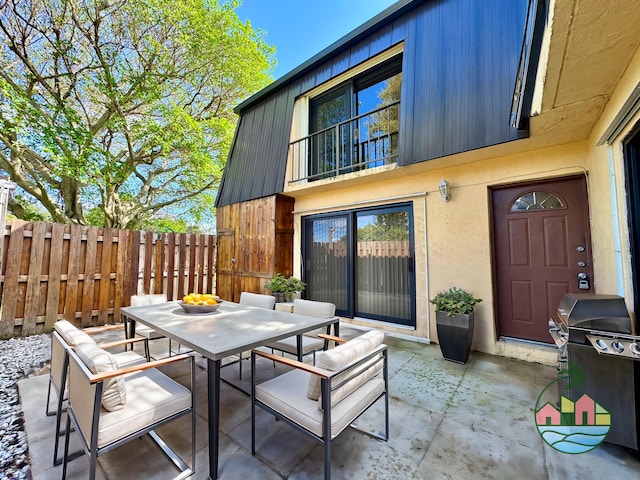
x=367, y=141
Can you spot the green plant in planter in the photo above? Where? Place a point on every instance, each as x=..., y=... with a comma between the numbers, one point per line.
x=287, y=286
x=454, y=301
x=455, y=323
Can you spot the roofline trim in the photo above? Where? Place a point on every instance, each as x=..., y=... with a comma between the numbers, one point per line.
x=528, y=67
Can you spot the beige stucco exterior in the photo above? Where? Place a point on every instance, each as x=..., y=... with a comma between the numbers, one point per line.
x=453, y=239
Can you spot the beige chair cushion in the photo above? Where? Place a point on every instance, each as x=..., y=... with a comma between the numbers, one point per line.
x=257, y=300
x=290, y=345
x=342, y=355
x=286, y=394
x=128, y=359
x=358, y=376
x=151, y=397
x=71, y=334
x=311, y=308
x=150, y=299
x=98, y=360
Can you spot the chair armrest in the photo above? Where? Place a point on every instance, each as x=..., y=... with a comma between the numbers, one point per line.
x=138, y=368
x=331, y=338
x=125, y=341
x=294, y=363
x=103, y=328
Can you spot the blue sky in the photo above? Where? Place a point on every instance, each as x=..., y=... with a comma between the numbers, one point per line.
x=301, y=28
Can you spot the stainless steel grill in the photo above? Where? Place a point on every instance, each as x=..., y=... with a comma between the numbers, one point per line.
x=596, y=344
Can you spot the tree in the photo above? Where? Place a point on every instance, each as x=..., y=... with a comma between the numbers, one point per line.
x=386, y=227
x=386, y=123
x=122, y=108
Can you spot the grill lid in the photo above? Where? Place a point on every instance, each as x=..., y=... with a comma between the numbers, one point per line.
x=575, y=307
x=606, y=324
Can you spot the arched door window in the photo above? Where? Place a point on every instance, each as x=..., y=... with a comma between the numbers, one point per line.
x=536, y=201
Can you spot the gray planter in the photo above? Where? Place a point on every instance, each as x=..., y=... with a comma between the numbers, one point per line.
x=279, y=296
x=455, y=335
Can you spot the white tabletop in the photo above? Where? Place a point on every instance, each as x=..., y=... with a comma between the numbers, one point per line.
x=232, y=329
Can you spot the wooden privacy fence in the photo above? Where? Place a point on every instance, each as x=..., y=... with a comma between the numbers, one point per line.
x=85, y=274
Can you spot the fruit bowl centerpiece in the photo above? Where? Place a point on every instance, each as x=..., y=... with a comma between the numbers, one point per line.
x=200, y=303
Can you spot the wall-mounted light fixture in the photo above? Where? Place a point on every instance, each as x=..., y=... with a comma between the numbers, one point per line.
x=444, y=190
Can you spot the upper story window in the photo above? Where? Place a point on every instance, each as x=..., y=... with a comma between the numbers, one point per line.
x=353, y=126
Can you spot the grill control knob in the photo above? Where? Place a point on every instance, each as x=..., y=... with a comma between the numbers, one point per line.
x=617, y=346
x=601, y=345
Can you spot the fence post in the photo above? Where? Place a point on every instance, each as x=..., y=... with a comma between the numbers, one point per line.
x=6, y=187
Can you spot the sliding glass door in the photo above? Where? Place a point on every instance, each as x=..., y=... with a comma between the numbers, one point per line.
x=363, y=262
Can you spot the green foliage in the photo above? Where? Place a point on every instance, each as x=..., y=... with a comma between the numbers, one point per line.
x=28, y=211
x=455, y=300
x=167, y=225
x=124, y=106
x=281, y=284
x=386, y=227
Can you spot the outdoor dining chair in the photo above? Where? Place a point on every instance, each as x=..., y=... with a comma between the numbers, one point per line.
x=253, y=300
x=66, y=335
x=322, y=401
x=311, y=342
x=109, y=405
x=143, y=330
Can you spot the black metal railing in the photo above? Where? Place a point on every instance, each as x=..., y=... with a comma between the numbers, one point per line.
x=366, y=141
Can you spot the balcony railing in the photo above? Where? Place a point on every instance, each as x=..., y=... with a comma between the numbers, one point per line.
x=366, y=141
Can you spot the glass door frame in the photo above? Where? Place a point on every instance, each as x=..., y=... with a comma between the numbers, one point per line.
x=351, y=246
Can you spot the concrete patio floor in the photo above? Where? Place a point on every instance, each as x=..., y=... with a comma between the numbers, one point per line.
x=447, y=420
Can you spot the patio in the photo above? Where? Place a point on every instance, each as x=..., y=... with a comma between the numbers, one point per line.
x=447, y=421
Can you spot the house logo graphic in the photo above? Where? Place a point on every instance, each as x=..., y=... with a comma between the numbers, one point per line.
x=576, y=427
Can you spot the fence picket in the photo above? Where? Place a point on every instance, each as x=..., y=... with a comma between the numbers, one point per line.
x=52, y=306
x=10, y=289
x=88, y=284
x=105, y=274
x=148, y=258
x=171, y=264
x=33, y=278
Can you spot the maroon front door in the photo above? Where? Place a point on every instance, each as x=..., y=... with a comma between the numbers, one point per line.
x=542, y=250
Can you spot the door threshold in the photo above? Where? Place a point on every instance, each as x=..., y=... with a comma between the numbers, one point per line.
x=528, y=342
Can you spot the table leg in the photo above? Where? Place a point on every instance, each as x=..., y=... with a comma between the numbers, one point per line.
x=213, y=381
x=129, y=329
x=299, y=347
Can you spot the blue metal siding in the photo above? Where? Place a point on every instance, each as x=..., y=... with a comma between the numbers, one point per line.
x=459, y=67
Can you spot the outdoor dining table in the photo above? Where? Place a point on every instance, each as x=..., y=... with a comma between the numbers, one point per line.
x=230, y=330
